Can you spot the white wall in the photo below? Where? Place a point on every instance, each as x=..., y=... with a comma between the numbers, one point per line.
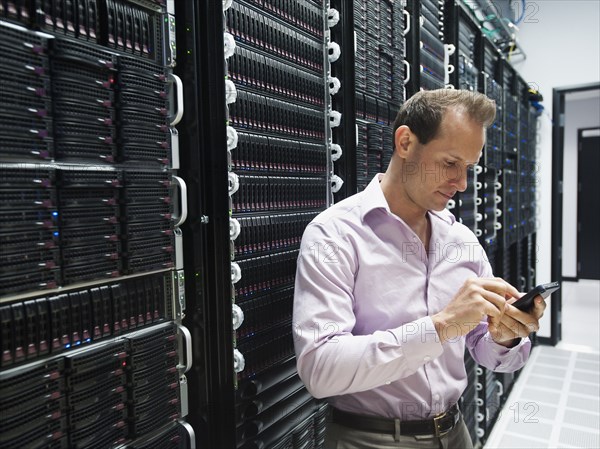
x=579, y=113
x=562, y=42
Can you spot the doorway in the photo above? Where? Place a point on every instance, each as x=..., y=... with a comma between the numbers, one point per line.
x=564, y=245
x=588, y=204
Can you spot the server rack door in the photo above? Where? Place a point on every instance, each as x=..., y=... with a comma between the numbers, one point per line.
x=91, y=208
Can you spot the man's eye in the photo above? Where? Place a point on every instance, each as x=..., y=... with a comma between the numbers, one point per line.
x=450, y=164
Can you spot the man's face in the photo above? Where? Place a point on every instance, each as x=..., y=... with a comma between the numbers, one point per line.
x=437, y=170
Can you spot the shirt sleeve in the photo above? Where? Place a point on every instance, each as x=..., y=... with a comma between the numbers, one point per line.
x=485, y=351
x=330, y=359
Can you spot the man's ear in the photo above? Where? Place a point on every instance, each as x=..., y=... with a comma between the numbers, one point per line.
x=403, y=140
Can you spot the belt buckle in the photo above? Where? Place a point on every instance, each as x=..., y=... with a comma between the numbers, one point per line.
x=436, y=423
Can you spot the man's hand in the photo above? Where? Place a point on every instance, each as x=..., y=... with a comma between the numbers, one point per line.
x=516, y=324
x=477, y=298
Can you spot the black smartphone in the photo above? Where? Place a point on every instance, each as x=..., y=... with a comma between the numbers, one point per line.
x=544, y=290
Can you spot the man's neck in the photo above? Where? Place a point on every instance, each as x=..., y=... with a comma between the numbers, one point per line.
x=402, y=206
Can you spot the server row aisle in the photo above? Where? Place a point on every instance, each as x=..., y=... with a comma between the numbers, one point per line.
x=159, y=162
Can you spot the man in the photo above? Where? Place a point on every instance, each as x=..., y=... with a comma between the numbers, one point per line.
x=390, y=289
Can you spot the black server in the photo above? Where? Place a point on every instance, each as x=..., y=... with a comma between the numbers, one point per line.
x=255, y=154
x=504, y=183
x=464, y=41
x=372, y=40
x=278, y=184
x=379, y=83
x=426, y=52
x=491, y=207
x=91, y=306
x=471, y=404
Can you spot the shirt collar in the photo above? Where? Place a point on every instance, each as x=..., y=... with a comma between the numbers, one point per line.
x=445, y=215
x=373, y=198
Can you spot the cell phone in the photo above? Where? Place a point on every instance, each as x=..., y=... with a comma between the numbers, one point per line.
x=544, y=290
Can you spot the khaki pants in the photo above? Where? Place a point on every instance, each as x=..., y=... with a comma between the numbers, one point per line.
x=342, y=437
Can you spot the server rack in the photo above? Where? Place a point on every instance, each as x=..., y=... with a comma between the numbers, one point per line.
x=503, y=156
x=504, y=186
x=372, y=43
x=509, y=175
x=204, y=165
x=464, y=39
x=93, y=350
x=426, y=52
x=344, y=136
x=444, y=45
x=379, y=80
x=491, y=206
x=278, y=184
x=265, y=138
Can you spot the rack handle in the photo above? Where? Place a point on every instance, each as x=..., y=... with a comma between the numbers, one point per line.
x=407, y=21
x=407, y=72
x=186, y=337
x=179, y=88
x=500, y=388
x=181, y=217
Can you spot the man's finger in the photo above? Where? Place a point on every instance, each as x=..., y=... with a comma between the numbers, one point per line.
x=539, y=306
x=494, y=298
x=491, y=311
x=528, y=322
x=500, y=286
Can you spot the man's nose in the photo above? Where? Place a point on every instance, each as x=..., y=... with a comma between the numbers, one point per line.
x=458, y=178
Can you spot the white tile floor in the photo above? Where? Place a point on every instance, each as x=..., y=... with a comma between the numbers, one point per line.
x=555, y=402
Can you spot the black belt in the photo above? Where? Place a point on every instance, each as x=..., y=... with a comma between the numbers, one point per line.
x=438, y=426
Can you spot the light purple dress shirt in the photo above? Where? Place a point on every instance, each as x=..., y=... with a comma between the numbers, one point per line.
x=365, y=292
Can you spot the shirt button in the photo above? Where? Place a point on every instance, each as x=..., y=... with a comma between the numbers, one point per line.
x=436, y=397
x=388, y=382
x=427, y=359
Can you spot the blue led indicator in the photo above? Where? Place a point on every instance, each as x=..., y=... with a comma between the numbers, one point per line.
x=55, y=214
x=68, y=346
x=77, y=343
x=87, y=340
x=55, y=233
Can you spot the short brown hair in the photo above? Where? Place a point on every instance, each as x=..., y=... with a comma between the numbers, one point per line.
x=423, y=112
